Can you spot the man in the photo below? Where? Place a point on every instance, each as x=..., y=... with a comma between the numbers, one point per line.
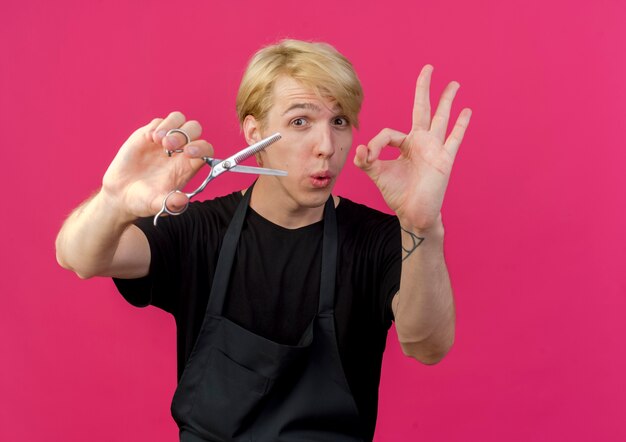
x=283, y=293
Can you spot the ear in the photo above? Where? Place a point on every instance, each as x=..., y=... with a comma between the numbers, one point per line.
x=252, y=131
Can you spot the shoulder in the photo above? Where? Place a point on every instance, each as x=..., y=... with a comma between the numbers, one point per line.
x=221, y=205
x=360, y=216
x=367, y=231
x=213, y=212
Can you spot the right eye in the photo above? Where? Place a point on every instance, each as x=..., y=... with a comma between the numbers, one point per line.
x=298, y=122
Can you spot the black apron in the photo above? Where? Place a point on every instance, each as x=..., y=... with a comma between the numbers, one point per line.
x=239, y=386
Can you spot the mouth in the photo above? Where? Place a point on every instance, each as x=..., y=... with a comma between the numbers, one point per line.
x=321, y=179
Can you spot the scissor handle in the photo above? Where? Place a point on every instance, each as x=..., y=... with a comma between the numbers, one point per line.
x=165, y=210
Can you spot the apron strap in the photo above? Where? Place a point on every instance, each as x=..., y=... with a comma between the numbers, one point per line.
x=226, y=257
x=329, y=259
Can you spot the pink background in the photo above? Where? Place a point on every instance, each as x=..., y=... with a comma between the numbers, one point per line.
x=535, y=210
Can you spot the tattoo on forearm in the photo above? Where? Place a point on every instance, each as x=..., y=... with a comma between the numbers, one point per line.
x=417, y=240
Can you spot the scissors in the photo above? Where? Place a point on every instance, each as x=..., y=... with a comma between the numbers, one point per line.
x=218, y=167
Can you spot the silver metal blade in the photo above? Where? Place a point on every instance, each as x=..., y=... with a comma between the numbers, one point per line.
x=250, y=150
x=258, y=170
x=246, y=169
x=229, y=163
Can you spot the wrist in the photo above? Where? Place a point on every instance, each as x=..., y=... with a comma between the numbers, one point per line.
x=434, y=229
x=427, y=239
x=110, y=208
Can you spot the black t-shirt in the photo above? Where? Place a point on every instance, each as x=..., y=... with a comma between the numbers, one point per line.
x=275, y=281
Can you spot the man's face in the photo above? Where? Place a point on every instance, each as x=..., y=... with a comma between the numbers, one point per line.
x=316, y=138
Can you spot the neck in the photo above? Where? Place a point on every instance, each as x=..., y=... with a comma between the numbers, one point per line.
x=282, y=210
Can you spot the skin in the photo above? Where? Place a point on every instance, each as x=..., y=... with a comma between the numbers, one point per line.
x=316, y=139
x=414, y=185
x=313, y=150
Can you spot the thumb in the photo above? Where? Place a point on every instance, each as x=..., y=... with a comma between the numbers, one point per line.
x=196, y=152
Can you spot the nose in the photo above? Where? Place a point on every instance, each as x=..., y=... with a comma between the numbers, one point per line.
x=325, y=147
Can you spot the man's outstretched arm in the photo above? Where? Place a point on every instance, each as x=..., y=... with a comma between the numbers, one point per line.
x=414, y=185
x=98, y=238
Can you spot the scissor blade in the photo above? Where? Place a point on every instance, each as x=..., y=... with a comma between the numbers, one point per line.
x=252, y=149
x=246, y=169
x=229, y=163
x=258, y=170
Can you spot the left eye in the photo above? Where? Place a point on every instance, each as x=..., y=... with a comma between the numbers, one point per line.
x=340, y=121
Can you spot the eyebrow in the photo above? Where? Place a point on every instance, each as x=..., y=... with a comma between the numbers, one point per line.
x=307, y=106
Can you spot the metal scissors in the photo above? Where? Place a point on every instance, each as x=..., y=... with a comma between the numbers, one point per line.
x=218, y=167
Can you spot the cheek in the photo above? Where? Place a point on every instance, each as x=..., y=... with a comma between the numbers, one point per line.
x=290, y=159
x=344, y=143
x=344, y=140
x=343, y=156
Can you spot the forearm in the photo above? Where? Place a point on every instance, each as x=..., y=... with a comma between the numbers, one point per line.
x=89, y=239
x=424, y=305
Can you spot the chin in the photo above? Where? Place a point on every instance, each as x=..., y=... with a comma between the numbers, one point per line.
x=315, y=199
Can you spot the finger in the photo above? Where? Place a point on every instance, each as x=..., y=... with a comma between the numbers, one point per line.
x=458, y=131
x=386, y=137
x=367, y=156
x=172, y=121
x=148, y=130
x=421, y=105
x=177, y=140
x=439, y=125
x=143, y=135
x=176, y=201
x=199, y=149
x=360, y=161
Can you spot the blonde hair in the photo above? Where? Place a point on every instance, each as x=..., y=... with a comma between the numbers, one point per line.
x=316, y=65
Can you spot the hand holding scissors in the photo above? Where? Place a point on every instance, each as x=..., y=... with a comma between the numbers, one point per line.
x=218, y=167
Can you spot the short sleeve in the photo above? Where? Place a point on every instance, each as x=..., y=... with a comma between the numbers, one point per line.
x=372, y=255
x=166, y=241
x=389, y=259
x=137, y=292
x=177, y=246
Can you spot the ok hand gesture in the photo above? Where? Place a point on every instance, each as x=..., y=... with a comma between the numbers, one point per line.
x=414, y=184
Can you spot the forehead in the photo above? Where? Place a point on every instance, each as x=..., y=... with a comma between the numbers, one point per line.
x=289, y=93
